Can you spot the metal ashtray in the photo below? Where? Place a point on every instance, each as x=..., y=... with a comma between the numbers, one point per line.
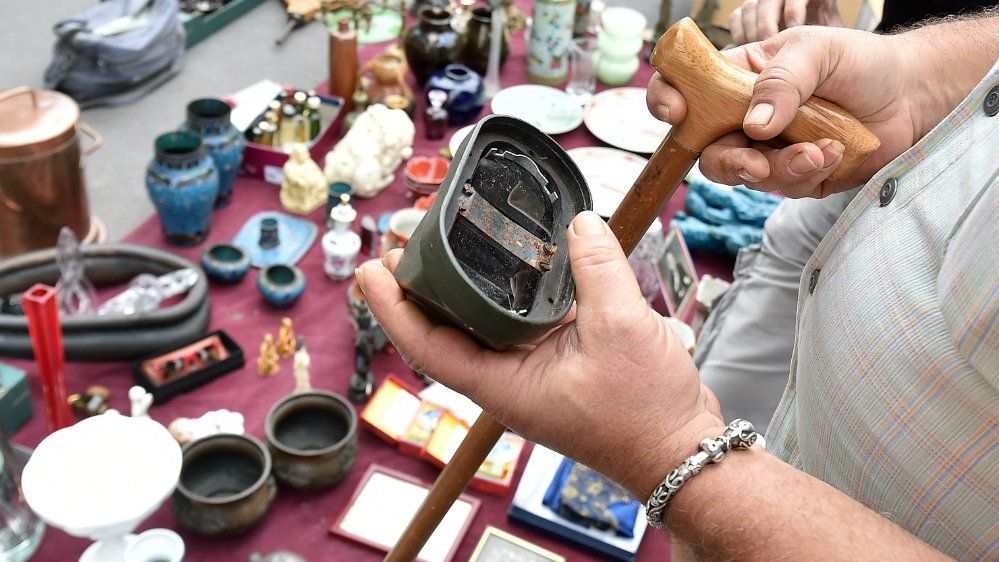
x=490, y=256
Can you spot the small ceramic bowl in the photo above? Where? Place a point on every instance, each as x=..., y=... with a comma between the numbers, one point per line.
x=225, y=486
x=424, y=174
x=281, y=284
x=312, y=437
x=225, y=263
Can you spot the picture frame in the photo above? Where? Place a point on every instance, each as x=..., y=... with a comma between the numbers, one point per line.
x=384, y=502
x=677, y=275
x=496, y=545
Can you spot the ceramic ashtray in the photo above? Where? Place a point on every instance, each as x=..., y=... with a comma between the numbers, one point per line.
x=424, y=174
x=225, y=263
x=281, y=284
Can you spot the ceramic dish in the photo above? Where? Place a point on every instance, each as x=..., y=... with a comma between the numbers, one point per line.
x=424, y=174
x=609, y=173
x=455, y=143
x=549, y=109
x=294, y=238
x=621, y=118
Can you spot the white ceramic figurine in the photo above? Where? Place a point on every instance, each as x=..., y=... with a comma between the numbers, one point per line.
x=372, y=149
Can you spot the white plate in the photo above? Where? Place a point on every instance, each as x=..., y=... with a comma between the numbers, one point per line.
x=621, y=118
x=549, y=109
x=609, y=173
x=457, y=137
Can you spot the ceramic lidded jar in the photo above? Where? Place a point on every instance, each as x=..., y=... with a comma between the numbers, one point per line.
x=619, y=43
x=475, y=53
x=548, y=44
x=183, y=182
x=465, y=93
x=209, y=119
x=432, y=44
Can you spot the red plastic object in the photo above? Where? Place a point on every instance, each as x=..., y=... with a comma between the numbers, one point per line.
x=42, y=311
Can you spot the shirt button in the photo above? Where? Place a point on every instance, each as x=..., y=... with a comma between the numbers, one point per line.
x=813, y=280
x=887, y=192
x=991, y=104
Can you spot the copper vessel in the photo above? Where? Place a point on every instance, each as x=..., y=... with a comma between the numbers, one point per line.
x=41, y=177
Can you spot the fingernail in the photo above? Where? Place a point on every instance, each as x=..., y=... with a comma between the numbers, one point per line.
x=359, y=275
x=760, y=114
x=802, y=163
x=833, y=152
x=792, y=23
x=746, y=177
x=662, y=112
x=588, y=223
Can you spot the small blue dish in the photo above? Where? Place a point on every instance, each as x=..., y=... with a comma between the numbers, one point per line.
x=225, y=263
x=281, y=284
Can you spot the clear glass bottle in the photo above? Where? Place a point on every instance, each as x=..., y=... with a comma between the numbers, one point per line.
x=341, y=244
x=288, y=128
x=435, y=116
x=20, y=529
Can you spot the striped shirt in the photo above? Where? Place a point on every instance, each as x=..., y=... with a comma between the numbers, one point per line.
x=893, y=396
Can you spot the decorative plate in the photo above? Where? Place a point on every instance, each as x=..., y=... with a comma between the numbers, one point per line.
x=549, y=109
x=294, y=238
x=457, y=137
x=385, y=24
x=609, y=173
x=621, y=118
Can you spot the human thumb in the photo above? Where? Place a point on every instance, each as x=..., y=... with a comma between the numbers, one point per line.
x=789, y=78
x=605, y=283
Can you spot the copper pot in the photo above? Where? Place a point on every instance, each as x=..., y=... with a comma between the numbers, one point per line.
x=41, y=177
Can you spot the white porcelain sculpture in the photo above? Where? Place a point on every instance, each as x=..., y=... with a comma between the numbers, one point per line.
x=140, y=400
x=100, y=478
x=372, y=149
x=185, y=430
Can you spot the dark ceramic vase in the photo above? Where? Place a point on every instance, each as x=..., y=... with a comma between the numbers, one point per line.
x=225, y=485
x=209, y=119
x=415, y=9
x=433, y=44
x=312, y=437
x=475, y=53
x=465, y=93
x=182, y=182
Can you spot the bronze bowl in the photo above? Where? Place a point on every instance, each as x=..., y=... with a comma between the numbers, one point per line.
x=313, y=439
x=225, y=485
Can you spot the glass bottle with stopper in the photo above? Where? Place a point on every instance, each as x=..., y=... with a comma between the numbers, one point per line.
x=341, y=244
x=435, y=116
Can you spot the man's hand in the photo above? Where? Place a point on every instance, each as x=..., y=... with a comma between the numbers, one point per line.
x=613, y=388
x=757, y=20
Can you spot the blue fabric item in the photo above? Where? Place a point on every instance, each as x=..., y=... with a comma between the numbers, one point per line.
x=723, y=219
x=589, y=498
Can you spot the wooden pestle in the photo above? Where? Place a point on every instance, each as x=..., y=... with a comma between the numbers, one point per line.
x=717, y=95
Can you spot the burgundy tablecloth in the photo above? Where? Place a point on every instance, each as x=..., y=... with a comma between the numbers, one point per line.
x=299, y=521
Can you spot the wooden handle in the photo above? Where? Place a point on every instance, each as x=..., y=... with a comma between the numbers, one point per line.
x=718, y=94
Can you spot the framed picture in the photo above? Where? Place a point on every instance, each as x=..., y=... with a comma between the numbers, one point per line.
x=499, y=546
x=382, y=506
x=677, y=276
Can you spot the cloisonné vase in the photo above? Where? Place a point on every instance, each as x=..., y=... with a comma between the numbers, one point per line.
x=183, y=182
x=281, y=284
x=465, y=93
x=548, y=45
x=432, y=44
x=209, y=119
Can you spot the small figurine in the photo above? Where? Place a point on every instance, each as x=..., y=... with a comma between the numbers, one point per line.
x=286, y=338
x=267, y=363
x=93, y=402
x=304, y=186
x=369, y=338
x=185, y=430
x=141, y=401
x=368, y=155
x=301, y=369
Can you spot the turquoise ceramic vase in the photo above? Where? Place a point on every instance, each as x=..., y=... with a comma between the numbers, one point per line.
x=182, y=182
x=209, y=119
x=281, y=284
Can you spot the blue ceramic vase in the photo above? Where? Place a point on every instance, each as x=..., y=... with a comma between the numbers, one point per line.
x=225, y=263
x=465, y=93
x=209, y=119
x=182, y=182
x=281, y=284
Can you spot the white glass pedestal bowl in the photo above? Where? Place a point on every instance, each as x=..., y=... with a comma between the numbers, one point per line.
x=100, y=478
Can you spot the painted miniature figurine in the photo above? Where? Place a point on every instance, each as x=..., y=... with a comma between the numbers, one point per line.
x=301, y=369
x=286, y=338
x=141, y=401
x=304, y=186
x=267, y=363
x=369, y=338
x=185, y=430
x=372, y=149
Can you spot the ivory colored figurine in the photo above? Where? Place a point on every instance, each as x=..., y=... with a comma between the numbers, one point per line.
x=267, y=363
x=286, y=338
x=141, y=401
x=185, y=430
x=304, y=187
x=302, y=364
x=372, y=149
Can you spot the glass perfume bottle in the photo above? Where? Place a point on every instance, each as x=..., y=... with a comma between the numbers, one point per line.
x=20, y=529
x=341, y=244
x=435, y=116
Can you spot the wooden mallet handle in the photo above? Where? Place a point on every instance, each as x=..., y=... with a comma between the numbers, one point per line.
x=717, y=95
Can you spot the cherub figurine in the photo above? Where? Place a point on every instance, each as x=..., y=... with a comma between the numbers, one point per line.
x=286, y=338
x=267, y=364
x=304, y=187
x=302, y=364
x=140, y=400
